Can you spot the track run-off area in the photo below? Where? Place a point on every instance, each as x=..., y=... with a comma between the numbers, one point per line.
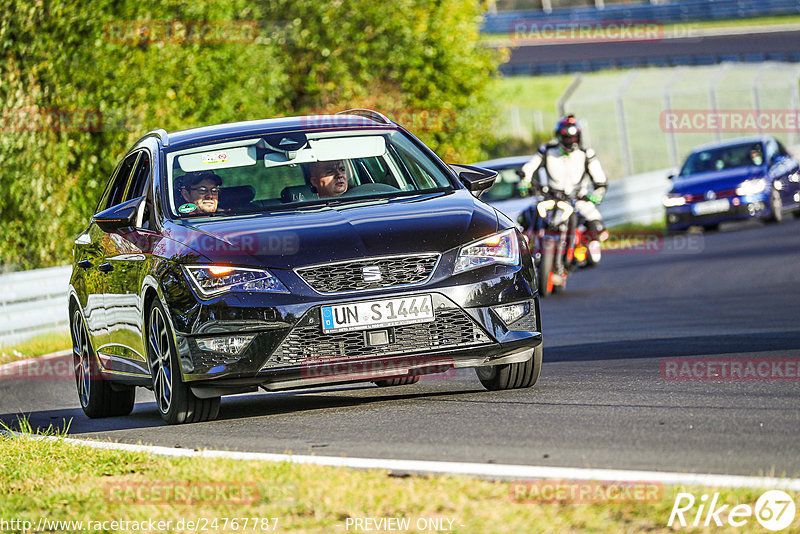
x=645, y=368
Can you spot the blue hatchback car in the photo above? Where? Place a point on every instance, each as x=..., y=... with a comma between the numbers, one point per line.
x=744, y=178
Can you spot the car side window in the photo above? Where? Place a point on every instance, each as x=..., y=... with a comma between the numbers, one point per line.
x=139, y=178
x=782, y=150
x=116, y=192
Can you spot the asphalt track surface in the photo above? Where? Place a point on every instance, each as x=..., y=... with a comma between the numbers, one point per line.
x=716, y=47
x=601, y=401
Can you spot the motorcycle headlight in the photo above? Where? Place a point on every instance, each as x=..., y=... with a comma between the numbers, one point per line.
x=751, y=187
x=216, y=279
x=672, y=201
x=544, y=206
x=498, y=248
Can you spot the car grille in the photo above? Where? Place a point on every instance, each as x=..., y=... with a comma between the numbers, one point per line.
x=306, y=342
x=362, y=274
x=204, y=361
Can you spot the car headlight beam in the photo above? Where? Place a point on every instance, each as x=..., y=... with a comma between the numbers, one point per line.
x=673, y=201
x=751, y=187
x=217, y=279
x=498, y=248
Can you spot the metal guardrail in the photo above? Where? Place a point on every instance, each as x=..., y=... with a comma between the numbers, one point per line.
x=636, y=198
x=685, y=11
x=33, y=303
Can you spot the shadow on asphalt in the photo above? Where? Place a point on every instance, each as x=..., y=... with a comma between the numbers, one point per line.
x=676, y=347
x=145, y=414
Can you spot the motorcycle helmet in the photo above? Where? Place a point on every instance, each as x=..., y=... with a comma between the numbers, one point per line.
x=568, y=134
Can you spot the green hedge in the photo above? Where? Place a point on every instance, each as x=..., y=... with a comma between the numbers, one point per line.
x=80, y=85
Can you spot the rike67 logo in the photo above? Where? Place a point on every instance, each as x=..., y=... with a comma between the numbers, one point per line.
x=774, y=510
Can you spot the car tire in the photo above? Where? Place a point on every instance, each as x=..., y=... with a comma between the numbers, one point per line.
x=775, y=207
x=512, y=375
x=174, y=398
x=96, y=395
x=398, y=381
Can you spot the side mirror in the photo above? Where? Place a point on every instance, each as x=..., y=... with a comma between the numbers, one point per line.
x=119, y=216
x=477, y=180
x=671, y=177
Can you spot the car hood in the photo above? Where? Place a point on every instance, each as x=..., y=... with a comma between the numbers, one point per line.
x=375, y=227
x=715, y=181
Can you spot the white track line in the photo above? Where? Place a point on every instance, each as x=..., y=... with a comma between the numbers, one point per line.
x=494, y=471
x=504, y=471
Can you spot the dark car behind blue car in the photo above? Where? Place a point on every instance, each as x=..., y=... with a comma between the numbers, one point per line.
x=738, y=179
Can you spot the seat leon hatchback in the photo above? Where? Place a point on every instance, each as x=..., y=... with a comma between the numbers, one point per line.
x=294, y=253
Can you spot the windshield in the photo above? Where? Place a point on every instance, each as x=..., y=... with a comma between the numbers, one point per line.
x=718, y=159
x=284, y=171
x=505, y=186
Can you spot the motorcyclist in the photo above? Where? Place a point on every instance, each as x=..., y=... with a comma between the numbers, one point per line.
x=566, y=163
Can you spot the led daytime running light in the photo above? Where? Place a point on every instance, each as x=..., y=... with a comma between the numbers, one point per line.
x=216, y=279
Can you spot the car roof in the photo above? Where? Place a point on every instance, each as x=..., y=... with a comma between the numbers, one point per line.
x=733, y=142
x=512, y=161
x=178, y=139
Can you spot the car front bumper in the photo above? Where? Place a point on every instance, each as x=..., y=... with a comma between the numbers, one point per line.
x=739, y=208
x=288, y=348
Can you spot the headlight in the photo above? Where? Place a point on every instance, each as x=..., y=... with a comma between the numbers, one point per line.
x=233, y=345
x=498, y=248
x=671, y=201
x=216, y=279
x=751, y=187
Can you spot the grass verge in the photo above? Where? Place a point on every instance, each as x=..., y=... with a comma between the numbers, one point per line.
x=532, y=92
x=62, y=482
x=639, y=227
x=38, y=346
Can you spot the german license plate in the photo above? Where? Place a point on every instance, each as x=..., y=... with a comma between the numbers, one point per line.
x=711, y=206
x=377, y=313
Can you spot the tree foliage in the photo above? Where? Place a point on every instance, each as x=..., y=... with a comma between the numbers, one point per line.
x=82, y=81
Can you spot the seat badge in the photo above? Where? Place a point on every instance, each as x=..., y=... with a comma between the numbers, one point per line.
x=372, y=273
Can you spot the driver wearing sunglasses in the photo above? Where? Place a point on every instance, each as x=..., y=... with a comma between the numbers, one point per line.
x=201, y=189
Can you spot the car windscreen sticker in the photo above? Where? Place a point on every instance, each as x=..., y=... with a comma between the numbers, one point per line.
x=242, y=156
x=214, y=157
x=187, y=208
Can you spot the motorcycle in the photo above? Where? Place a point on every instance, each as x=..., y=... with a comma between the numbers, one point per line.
x=558, y=240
